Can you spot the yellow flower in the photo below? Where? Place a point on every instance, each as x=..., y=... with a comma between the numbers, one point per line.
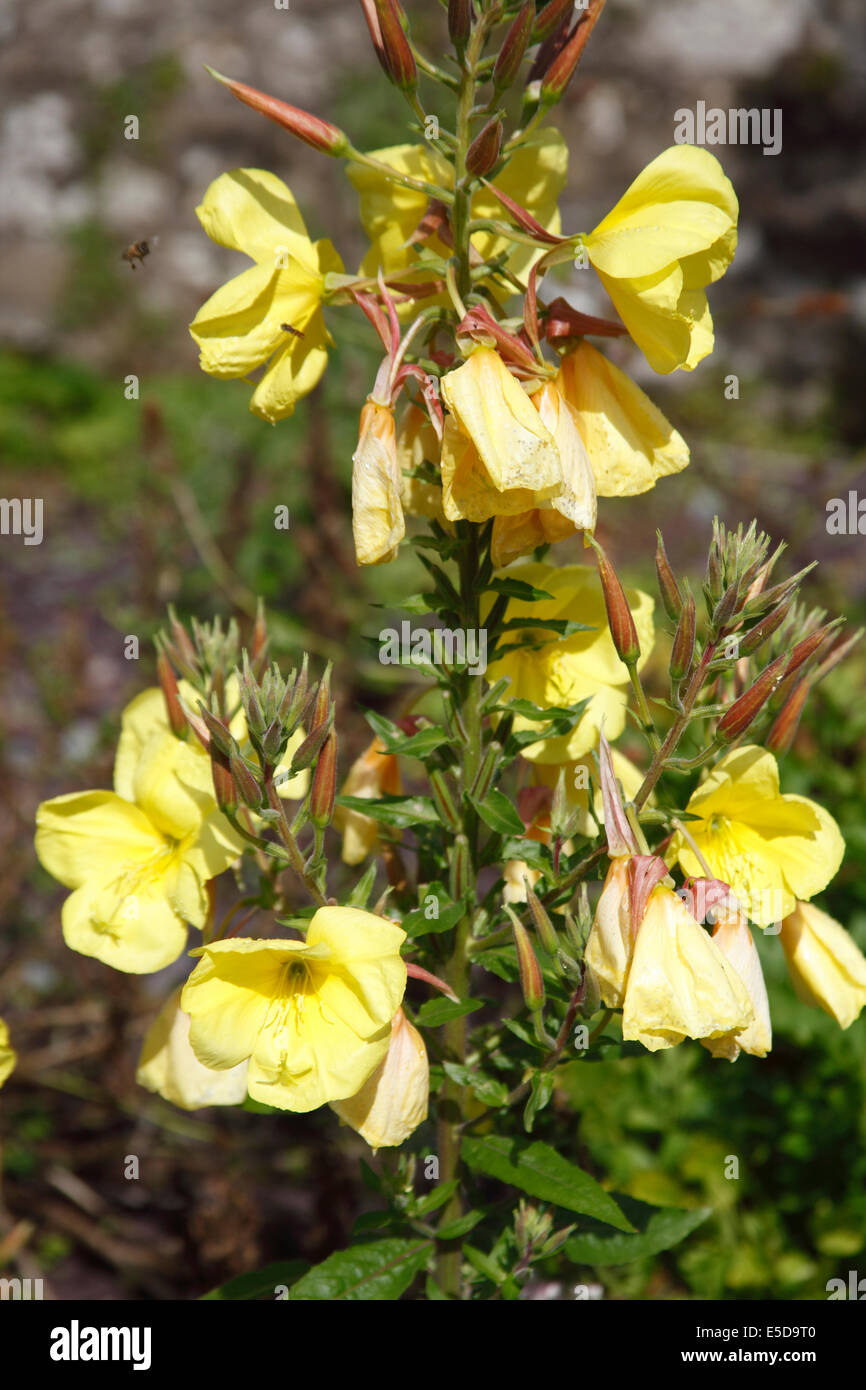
x=393, y=1101
x=498, y=456
x=566, y=670
x=611, y=941
x=138, y=857
x=313, y=1017
x=8, y=1056
x=571, y=509
x=534, y=176
x=673, y=232
x=417, y=442
x=679, y=983
x=629, y=442
x=732, y=936
x=373, y=774
x=169, y=1066
x=377, y=512
x=242, y=325
x=825, y=966
x=771, y=849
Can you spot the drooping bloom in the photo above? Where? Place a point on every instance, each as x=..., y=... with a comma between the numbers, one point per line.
x=673, y=232
x=313, y=1017
x=138, y=858
x=498, y=456
x=629, y=443
x=8, y=1055
x=679, y=984
x=378, y=524
x=393, y=1101
x=771, y=849
x=571, y=509
x=534, y=176
x=373, y=774
x=271, y=312
x=169, y=1066
x=734, y=939
x=563, y=671
x=826, y=968
x=417, y=443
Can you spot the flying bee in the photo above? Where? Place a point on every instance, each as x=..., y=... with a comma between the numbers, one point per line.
x=137, y=250
x=295, y=332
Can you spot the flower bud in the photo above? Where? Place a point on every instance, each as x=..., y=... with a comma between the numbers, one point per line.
x=808, y=646
x=726, y=606
x=225, y=791
x=531, y=981
x=561, y=70
x=543, y=925
x=323, y=136
x=486, y=772
x=668, y=587
x=743, y=711
x=369, y=8
x=513, y=47
x=757, y=636
x=459, y=23
x=246, y=783
x=683, y=650
x=393, y=1102
x=395, y=46
x=484, y=150
x=550, y=19
x=460, y=868
x=176, y=716
x=324, y=788
x=619, y=618
x=220, y=736
x=442, y=799
x=787, y=721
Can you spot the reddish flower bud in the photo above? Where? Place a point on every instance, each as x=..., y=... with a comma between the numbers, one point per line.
x=531, y=981
x=743, y=711
x=513, y=47
x=369, y=8
x=395, y=45
x=459, y=23
x=324, y=788
x=223, y=782
x=564, y=322
x=619, y=618
x=683, y=649
x=561, y=70
x=757, y=636
x=321, y=711
x=550, y=19
x=809, y=645
x=668, y=586
x=543, y=925
x=323, y=136
x=787, y=721
x=260, y=640
x=484, y=150
x=176, y=716
x=246, y=783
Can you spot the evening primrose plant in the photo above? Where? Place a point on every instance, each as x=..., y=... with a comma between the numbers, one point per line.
x=491, y=892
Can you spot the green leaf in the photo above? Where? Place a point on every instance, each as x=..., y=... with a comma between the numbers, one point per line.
x=564, y=627
x=437, y=1011
x=400, y=811
x=360, y=894
x=419, y=745
x=531, y=851
x=437, y=1198
x=380, y=1271
x=541, y=1089
x=415, y=923
x=488, y=1090
x=542, y=1172
x=414, y=603
x=658, y=1228
x=517, y=588
x=460, y=1226
x=261, y=1283
x=497, y=812
x=484, y=1264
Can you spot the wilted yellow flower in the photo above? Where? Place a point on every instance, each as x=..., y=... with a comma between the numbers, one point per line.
x=375, y=773
x=498, y=456
x=169, y=1066
x=566, y=670
x=243, y=325
x=571, y=509
x=629, y=443
x=378, y=525
x=534, y=176
x=679, y=983
x=417, y=442
x=672, y=232
x=771, y=849
x=610, y=944
x=8, y=1055
x=138, y=857
x=393, y=1101
x=826, y=968
x=313, y=1017
x=732, y=936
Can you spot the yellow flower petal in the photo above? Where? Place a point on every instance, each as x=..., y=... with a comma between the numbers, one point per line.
x=393, y=1101
x=126, y=922
x=169, y=1066
x=827, y=969
x=8, y=1056
x=378, y=524
x=251, y=210
x=82, y=834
